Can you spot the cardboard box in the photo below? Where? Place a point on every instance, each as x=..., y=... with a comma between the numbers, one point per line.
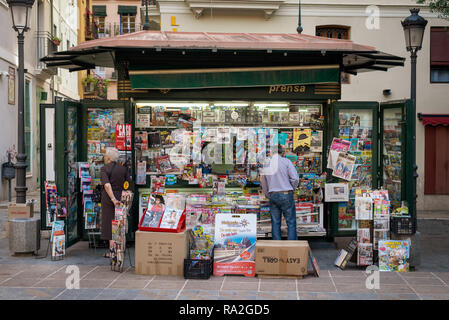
x=282, y=258
x=161, y=253
x=20, y=210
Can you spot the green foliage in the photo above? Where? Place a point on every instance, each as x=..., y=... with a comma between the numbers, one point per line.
x=439, y=6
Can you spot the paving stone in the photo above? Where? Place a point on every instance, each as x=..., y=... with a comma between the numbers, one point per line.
x=237, y=295
x=349, y=280
x=51, y=283
x=198, y=294
x=94, y=283
x=277, y=296
x=422, y=290
x=416, y=274
x=240, y=278
x=166, y=285
x=156, y=294
x=203, y=284
x=61, y=274
x=79, y=294
x=424, y=281
x=394, y=288
x=171, y=278
x=397, y=296
x=316, y=288
x=129, y=284
x=319, y=296
x=19, y=282
x=347, y=273
x=353, y=289
x=273, y=286
x=435, y=296
x=102, y=275
x=252, y=286
x=359, y=296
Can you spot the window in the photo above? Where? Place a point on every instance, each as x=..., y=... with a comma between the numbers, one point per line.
x=439, y=55
x=127, y=23
x=28, y=142
x=436, y=179
x=101, y=27
x=335, y=32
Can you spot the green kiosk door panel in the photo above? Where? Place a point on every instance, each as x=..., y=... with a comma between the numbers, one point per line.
x=396, y=172
x=67, y=141
x=356, y=122
x=98, y=123
x=47, y=155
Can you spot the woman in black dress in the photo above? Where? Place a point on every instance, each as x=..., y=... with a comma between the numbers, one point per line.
x=113, y=176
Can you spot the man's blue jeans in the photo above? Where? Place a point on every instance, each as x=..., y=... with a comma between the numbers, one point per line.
x=283, y=204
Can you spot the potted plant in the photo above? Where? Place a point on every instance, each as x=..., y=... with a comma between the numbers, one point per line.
x=56, y=41
x=89, y=83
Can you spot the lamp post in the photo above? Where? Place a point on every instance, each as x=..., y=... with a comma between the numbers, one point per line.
x=146, y=25
x=20, y=18
x=414, y=27
x=299, y=29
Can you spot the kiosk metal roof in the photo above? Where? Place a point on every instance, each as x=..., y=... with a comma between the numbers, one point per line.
x=102, y=52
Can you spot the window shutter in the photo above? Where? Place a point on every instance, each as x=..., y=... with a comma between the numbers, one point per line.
x=99, y=11
x=127, y=10
x=439, y=44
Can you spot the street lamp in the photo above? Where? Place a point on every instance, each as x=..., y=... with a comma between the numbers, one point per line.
x=146, y=25
x=20, y=12
x=414, y=27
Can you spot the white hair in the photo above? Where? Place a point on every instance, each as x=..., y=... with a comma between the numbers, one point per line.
x=112, y=154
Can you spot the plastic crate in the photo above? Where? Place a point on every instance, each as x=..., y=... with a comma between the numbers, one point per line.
x=198, y=269
x=402, y=225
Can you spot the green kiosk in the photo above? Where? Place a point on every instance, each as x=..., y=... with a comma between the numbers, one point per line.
x=272, y=81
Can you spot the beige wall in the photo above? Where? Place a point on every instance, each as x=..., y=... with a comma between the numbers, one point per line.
x=431, y=98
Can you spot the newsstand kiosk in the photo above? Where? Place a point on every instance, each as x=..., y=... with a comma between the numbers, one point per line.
x=278, y=84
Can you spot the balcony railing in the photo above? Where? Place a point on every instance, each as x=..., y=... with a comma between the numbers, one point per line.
x=45, y=47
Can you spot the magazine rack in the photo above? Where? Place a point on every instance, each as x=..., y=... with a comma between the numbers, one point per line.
x=180, y=228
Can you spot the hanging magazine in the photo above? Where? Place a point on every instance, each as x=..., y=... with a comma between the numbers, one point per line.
x=363, y=208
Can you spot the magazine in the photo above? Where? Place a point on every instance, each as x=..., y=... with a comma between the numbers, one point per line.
x=336, y=192
x=58, y=246
x=344, y=166
x=154, y=212
x=301, y=140
x=158, y=184
x=364, y=254
x=164, y=164
x=141, y=140
x=61, y=207
x=316, y=141
x=379, y=235
x=394, y=255
x=363, y=235
x=363, y=208
x=175, y=207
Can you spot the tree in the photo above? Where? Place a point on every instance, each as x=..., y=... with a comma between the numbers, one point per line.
x=439, y=6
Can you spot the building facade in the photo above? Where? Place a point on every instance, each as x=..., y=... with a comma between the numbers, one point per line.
x=50, y=22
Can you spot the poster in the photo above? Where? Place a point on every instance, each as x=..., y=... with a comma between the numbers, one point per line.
x=123, y=137
x=301, y=140
x=344, y=166
x=235, y=240
x=394, y=255
x=336, y=192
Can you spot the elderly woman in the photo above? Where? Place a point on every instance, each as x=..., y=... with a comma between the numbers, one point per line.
x=113, y=176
